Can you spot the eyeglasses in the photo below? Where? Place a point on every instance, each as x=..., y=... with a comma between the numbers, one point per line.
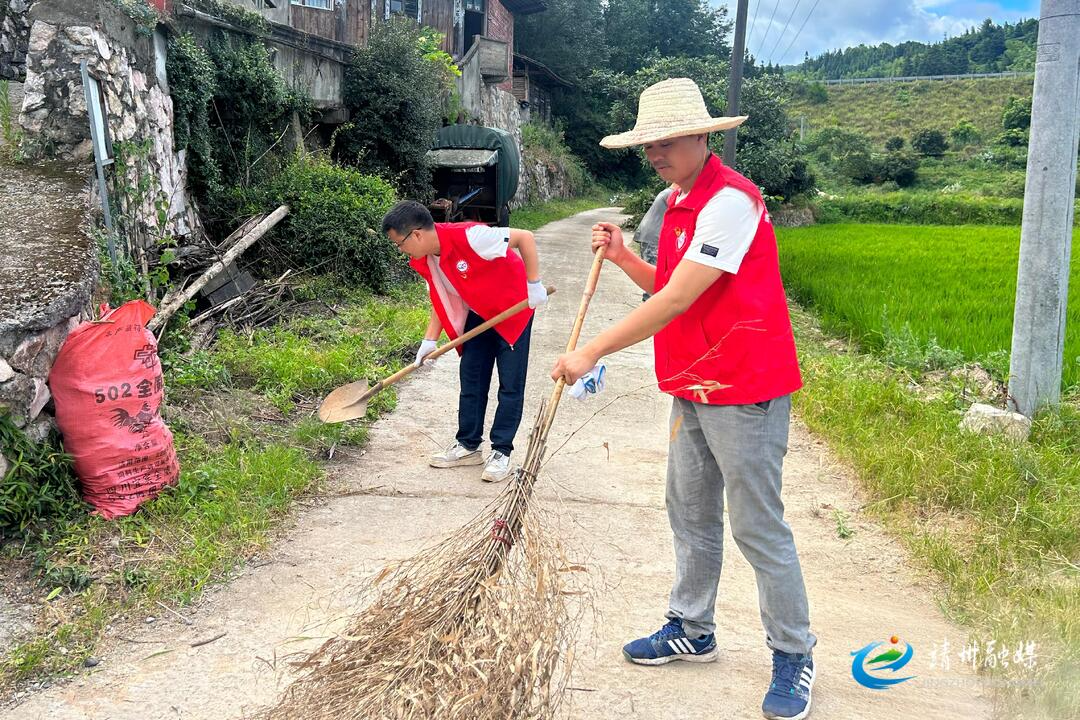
x=404, y=239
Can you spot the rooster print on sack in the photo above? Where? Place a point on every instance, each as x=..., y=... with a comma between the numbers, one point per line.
x=137, y=422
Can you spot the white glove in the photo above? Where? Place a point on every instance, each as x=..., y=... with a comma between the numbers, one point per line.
x=537, y=294
x=591, y=383
x=426, y=348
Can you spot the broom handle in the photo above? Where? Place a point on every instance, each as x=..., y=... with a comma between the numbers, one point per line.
x=571, y=345
x=460, y=340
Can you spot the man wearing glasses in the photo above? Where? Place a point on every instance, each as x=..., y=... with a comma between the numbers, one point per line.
x=472, y=276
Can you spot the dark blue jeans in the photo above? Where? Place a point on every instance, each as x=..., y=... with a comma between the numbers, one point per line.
x=479, y=357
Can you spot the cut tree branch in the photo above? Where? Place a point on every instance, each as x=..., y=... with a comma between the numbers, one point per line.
x=168, y=309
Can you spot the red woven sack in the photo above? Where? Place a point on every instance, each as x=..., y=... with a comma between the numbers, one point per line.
x=107, y=386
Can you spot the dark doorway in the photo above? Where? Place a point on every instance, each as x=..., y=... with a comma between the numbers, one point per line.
x=474, y=21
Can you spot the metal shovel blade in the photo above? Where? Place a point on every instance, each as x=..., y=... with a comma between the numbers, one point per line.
x=344, y=403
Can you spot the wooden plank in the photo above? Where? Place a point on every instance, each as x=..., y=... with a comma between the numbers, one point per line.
x=360, y=21
x=439, y=14
x=521, y=87
x=315, y=21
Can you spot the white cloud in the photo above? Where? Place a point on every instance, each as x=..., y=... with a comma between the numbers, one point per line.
x=838, y=24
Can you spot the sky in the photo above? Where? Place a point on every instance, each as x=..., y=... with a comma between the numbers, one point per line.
x=835, y=24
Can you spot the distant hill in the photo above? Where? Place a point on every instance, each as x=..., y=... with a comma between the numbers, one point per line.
x=985, y=49
x=882, y=110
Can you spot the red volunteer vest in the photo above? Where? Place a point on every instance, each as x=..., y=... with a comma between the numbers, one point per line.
x=487, y=286
x=734, y=345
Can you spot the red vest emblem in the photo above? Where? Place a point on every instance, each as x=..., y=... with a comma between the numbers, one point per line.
x=487, y=287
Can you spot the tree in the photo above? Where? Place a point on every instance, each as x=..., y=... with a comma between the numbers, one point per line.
x=567, y=37
x=934, y=62
x=988, y=48
x=576, y=38
x=393, y=93
x=1019, y=56
x=894, y=143
x=637, y=29
x=767, y=152
x=929, y=142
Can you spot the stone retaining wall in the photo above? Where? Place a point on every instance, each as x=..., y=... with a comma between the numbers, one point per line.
x=540, y=180
x=128, y=62
x=14, y=38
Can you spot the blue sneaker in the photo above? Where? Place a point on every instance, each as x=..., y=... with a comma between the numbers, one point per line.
x=789, y=693
x=670, y=643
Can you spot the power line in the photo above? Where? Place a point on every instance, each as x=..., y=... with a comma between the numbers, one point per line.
x=792, y=43
x=769, y=27
x=784, y=31
x=750, y=35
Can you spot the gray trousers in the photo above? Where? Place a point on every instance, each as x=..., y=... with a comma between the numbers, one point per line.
x=739, y=448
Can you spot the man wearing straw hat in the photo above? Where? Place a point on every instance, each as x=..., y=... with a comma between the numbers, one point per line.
x=724, y=350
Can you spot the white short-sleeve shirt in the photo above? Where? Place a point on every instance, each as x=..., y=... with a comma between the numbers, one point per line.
x=725, y=228
x=487, y=242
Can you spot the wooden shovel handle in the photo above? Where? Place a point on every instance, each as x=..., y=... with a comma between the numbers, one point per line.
x=459, y=340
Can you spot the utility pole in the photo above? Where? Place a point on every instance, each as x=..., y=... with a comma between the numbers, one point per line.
x=1042, y=283
x=738, y=50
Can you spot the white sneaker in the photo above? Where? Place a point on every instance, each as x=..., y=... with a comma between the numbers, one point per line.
x=498, y=468
x=456, y=455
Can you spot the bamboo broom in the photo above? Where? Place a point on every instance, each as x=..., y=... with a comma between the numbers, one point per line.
x=477, y=627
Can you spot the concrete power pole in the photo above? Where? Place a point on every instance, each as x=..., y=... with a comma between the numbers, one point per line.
x=1042, y=284
x=738, y=50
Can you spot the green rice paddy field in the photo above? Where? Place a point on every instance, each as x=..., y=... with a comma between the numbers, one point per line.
x=953, y=285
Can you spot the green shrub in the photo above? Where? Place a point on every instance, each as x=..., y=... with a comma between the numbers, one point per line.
x=638, y=202
x=1014, y=137
x=1005, y=157
x=233, y=109
x=541, y=142
x=929, y=142
x=814, y=93
x=1009, y=187
x=800, y=180
x=894, y=143
x=928, y=208
x=335, y=220
x=900, y=168
x=845, y=151
x=395, y=90
x=38, y=486
x=1017, y=114
x=964, y=133
x=901, y=348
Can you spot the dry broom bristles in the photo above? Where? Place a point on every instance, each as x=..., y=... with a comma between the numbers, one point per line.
x=478, y=627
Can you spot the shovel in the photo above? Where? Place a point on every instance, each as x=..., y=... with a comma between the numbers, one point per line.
x=349, y=402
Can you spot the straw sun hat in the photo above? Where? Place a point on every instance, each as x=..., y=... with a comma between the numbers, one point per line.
x=669, y=109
